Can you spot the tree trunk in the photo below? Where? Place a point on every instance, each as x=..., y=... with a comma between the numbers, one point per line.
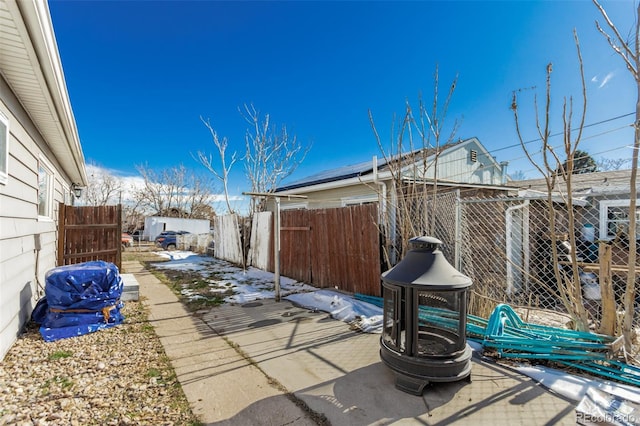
x=609, y=317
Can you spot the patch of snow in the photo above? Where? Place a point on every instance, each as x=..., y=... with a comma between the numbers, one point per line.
x=363, y=315
x=181, y=261
x=575, y=387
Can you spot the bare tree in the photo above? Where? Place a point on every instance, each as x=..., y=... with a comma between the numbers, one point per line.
x=174, y=192
x=412, y=161
x=151, y=197
x=102, y=189
x=271, y=154
x=518, y=175
x=553, y=169
x=132, y=217
x=629, y=52
x=208, y=162
x=609, y=164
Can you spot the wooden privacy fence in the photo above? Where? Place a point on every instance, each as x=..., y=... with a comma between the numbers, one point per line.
x=227, y=239
x=325, y=248
x=332, y=248
x=89, y=233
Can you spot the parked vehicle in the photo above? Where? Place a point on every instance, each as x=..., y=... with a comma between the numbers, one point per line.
x=127, y=240
x=168, y=239
x=137, y=235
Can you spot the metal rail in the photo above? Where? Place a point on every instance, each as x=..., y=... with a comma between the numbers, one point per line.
x=507, y=336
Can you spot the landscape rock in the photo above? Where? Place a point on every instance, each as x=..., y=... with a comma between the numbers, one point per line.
x=117, y=376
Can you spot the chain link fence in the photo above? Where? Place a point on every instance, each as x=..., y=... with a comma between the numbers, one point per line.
x=504, y=244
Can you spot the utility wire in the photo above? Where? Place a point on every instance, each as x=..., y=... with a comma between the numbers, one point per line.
x=562, y=133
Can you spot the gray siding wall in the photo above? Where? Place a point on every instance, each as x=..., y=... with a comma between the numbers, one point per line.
x=22, y=267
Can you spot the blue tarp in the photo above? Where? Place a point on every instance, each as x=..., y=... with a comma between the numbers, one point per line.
x=79, y=299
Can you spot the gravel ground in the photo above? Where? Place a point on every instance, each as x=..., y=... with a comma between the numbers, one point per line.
x=117, y=376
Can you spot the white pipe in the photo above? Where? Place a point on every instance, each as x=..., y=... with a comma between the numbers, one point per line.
x=509, y=243
x=276, y=249
x=382, y=194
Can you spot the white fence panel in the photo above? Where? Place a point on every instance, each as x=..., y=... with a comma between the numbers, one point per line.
x=228, y=244
x=195, y=242
x=259, y=249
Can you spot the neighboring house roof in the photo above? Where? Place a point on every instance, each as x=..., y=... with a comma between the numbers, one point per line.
x=585, y=184
x=347, y=173
x=30, y=64
x=340, y=173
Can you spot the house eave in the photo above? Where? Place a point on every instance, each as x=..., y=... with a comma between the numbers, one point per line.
x=320, y=182
x=385, y=176
x=556, y=197
x=367, y=178
x=33, y=71
x=453, y=184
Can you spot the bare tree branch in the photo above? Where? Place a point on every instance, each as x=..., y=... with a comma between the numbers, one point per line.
x=619, y=45
x=631, y=57
x=207, y=161
x=270, y=155
x=174, y=192
x=570, y=291
x=103, y=188
x=411, y=160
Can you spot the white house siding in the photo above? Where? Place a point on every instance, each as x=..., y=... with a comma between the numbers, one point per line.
x=21, y=266
x=338, y=197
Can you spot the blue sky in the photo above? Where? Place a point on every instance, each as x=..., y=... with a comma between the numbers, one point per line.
x=140, y=74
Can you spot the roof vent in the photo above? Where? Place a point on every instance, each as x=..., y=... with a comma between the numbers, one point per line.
x=473, y=155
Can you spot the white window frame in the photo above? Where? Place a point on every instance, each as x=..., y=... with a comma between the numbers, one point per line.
x=605, y=206
x=359, y=200
x=294, y=206
x=4, y=148
x=48, y=186
x=68, y=195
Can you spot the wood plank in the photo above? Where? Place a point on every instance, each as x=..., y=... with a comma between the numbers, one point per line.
x=595, y=267
x=94, y=255
x=93, y=226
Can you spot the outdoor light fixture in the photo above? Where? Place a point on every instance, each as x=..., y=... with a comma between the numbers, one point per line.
x=77, y=190
x=425, y=316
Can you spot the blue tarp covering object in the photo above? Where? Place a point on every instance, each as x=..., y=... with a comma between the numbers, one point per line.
x=79, y=299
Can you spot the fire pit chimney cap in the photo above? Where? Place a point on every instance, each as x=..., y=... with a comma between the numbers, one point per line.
x=424, y=243
x=424, y=266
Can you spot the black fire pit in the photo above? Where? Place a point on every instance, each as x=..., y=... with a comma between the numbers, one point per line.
x=425, y=317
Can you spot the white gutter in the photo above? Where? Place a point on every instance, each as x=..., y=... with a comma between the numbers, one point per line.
x=382, y=193
x=386, y=216
x=336, y=184
x=556, y=197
